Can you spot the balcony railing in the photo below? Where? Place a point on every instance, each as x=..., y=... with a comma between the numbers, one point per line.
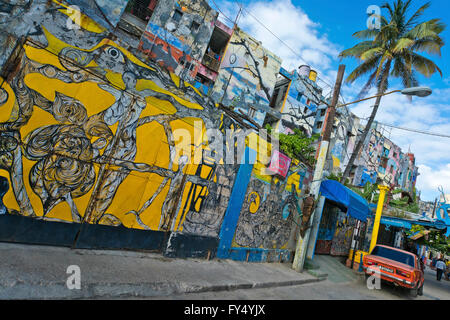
x=211, y=62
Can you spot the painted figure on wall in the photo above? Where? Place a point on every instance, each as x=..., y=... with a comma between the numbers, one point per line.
x=82, y=127
x=263, y=221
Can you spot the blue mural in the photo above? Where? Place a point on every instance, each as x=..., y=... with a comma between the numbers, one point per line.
x=4, y=186
x=105, y=12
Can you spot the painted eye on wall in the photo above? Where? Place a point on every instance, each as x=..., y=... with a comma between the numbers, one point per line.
x=113, y=52
x=233, y=58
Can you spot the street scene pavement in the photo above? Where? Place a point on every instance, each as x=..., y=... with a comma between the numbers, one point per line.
x=45, y=272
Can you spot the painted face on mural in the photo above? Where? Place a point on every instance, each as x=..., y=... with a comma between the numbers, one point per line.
x=111, y=58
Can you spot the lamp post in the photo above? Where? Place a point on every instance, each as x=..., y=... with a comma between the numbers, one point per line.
x=303, y=248
x=302, y=242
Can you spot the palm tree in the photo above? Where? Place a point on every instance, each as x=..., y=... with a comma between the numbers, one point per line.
x=392, y=51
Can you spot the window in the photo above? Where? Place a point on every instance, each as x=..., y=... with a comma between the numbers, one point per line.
x=319, y=124
x=299, y=97
x=142, y=9
x=322, y=112
x=395, y=255
x=177, y=14
x=195, y=26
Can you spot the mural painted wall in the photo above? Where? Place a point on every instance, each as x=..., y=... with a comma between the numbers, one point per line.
x=300, y=110
x=178, y=34
x=106, y=12
x=247, y=76
x=269, y=209
x=87, y=134
x=343, y=138
x=383, y=160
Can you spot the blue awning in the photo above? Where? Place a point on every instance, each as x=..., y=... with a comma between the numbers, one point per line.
x=357, y=206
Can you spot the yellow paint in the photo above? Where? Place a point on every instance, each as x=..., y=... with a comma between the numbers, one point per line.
x=336, y=162
x=376, y=226
x=254, y=205
x=8, y=111
x=86, y=22
x=152, y=146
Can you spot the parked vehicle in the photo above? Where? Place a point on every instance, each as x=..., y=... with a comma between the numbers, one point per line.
x=396, y=266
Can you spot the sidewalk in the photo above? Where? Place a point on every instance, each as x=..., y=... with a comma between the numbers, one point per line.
x=40, y=272
x=333, y=268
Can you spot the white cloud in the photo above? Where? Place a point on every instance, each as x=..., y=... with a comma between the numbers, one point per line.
x=431, y=179
x=424, y=114
x=291, y=24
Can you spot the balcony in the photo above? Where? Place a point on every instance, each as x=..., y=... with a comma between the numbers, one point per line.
x=211, y=62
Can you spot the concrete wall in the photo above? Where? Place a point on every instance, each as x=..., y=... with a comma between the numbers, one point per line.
x=89, y=134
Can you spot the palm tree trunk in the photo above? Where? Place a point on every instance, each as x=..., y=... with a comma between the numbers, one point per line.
x=368, y=126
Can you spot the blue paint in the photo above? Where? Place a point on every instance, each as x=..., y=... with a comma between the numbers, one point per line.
x=111, y=9
x=4, y=186
x=259, y=254
x=235, y=205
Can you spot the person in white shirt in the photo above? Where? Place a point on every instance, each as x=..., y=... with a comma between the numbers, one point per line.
x=440, y=268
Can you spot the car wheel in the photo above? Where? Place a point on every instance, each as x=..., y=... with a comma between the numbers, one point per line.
x=420, y=291
x=413, y=292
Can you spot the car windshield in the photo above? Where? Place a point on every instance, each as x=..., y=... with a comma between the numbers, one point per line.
x=394, y=255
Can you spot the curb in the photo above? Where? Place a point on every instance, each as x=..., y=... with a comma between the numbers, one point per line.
x=126, y=290
x=231, y=287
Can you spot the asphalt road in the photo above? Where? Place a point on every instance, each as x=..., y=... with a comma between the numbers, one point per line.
x=329, y=290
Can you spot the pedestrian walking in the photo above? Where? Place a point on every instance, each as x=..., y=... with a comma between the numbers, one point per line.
x=440, y=268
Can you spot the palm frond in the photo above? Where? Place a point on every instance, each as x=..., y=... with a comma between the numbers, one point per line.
x=364, y=67
x=424, y=65
x=357, y=50
x=413, y=20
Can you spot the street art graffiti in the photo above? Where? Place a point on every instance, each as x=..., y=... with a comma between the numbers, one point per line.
x=178, y=34
x=105, y=12
x=86, y=134
x=343, y=138
x=4, y=186
x=270, y=206
x=385, y=161
x=342, y=240
x=247, y=76
x=299, y=111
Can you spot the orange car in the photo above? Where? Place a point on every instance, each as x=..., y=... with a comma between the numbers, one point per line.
x=396, y=266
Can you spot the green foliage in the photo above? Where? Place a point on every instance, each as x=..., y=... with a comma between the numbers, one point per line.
x=297, y=145
x=396, y=47
x=368, y=192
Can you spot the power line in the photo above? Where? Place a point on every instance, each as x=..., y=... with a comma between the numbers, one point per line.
x=413, y=130
x=225, y=16
x=279, y=39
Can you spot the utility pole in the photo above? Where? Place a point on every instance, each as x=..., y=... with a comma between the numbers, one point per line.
x=302, y=244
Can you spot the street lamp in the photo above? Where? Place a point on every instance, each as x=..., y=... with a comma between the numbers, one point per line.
x=417, y=91
x=413, y=91
x=303, y=244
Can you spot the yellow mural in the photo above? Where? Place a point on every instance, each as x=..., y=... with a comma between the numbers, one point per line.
x=94, y=139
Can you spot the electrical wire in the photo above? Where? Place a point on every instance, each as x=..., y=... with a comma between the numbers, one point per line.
x=414, y=130
x=284, y=43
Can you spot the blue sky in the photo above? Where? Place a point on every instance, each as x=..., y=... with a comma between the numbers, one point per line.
x=315, y=32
